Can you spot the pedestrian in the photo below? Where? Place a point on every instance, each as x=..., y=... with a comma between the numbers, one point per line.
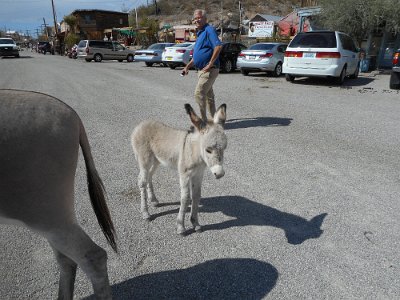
x=206, y=61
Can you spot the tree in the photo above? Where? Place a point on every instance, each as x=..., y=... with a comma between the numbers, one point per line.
x=360, y=17
x=71, y=38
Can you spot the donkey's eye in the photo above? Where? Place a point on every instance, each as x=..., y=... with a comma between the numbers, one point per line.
x=208, y=150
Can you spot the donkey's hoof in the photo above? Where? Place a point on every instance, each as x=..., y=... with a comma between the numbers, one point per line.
x=146, y=216
x=181, y=231
x=155, y=204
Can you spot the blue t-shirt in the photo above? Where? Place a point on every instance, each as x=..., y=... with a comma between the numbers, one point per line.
x=207, y=40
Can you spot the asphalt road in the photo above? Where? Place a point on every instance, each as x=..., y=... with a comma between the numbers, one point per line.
x=308, y=208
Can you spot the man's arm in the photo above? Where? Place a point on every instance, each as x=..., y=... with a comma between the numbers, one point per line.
x=213, y=58
x=187, y=67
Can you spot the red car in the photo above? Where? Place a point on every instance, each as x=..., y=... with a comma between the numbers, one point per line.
x=395, y=75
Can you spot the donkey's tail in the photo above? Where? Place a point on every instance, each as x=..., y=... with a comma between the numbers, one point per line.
x=97, y=191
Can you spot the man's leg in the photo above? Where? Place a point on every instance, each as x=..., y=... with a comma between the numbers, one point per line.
x=204, y=84
x=210, y=95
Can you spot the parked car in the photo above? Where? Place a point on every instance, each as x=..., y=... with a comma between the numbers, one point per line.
x=44, y=47
x=98, y=50
x=229, y=55
x=395, y=74
x=321, y=54
x=153, y=54
x=177, y=55
x=8, y=47
x=262, y=57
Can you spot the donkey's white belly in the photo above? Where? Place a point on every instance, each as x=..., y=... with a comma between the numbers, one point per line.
x=169, y=163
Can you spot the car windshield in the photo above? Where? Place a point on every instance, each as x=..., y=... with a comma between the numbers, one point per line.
x=183, y=45
x=6, y=41
x=157, y=46
x=314, y=40
x=262, y=47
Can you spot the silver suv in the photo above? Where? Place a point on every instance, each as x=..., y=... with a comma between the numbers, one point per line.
x=103, y=50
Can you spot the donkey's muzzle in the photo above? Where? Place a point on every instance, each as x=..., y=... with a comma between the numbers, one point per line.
x=218, y=171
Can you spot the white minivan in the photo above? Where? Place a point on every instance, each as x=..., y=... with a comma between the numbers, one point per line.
x=321, y=54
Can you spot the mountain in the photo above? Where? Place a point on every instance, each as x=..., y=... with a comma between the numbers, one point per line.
x=180, y=11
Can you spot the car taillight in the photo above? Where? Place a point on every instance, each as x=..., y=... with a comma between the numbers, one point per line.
x=327, y=55
x=87, y=49
x=241, y=55
x=266, y=55
x=396, y=58
x=191, y=52
x=181, y=51
x=293, y=54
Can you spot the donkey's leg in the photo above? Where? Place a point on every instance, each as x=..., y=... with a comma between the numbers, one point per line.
x=150, y=191
x=196, y=196
x=67, y=275
x=142, y=182
x=185, y=198
x=74, y=243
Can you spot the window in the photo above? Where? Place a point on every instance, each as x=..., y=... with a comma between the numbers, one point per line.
x=314, y=40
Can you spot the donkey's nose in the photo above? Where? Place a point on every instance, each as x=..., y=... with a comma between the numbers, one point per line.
x=218, y=171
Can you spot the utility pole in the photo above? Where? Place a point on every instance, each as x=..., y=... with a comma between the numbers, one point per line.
x=45, y=28
x=222, y=22
x=240, y=21
x=55, y=18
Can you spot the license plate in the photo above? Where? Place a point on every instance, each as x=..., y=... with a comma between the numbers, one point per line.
x=169, y=58
x=252, y=57
x=309, y=54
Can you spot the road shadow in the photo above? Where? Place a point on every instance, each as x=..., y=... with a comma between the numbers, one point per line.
x=256, y=122
x=240, y=278
x=249, y=213
x=20, y=57
x=322, y=81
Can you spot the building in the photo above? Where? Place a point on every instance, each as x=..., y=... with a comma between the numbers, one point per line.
x=93, y=23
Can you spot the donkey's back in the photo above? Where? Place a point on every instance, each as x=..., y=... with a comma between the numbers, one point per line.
x=154, y=142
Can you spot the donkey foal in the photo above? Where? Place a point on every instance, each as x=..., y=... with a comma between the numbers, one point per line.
x=189, y=151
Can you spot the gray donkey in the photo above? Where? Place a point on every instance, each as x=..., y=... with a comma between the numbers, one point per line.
x=189, y=151
x=39, y=143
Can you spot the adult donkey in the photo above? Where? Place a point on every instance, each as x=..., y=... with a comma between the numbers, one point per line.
x=189, y=151
x=39, y=144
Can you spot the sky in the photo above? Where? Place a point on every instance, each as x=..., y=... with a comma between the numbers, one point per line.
x=26, y=16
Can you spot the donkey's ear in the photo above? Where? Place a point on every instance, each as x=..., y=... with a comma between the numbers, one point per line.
x=220, y=115
x=196, y=121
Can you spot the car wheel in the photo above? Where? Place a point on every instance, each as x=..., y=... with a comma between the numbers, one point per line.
x=120, y=60
x=356, y=72
x=244, y=72
x=173, y=67
x=17, y=56
x=149, y=64
x=97, y=57
x=394, y=82
x=129, y=58
x=342, y=77
x=227, y=66
x=88, y=59
x=278, y=70
x=289, y=77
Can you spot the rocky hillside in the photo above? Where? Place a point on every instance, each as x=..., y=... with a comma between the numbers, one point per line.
x=180, y=11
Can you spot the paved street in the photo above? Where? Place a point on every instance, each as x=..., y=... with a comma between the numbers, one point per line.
x=308, y=208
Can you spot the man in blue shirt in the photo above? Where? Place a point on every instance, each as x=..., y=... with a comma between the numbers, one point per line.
x=206, y=61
